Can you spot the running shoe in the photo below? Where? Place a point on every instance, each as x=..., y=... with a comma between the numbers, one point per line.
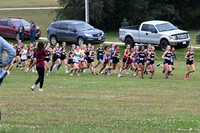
x=57, y=71
x=126, y=72
x=84, y=70
x=33, y=70
x=165, y=77
x=66, y=72
x=41, y=90
x=119, y=75
x=158, y=64
x=8, y=72
x=188, y=75
x=185, y=79
x=33, y=88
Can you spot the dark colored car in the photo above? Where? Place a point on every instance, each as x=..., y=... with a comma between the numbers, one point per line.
x=9, y=28
x=74, y=31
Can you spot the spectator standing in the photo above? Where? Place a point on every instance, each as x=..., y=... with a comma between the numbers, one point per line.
x=21, y=31
x=32, y=30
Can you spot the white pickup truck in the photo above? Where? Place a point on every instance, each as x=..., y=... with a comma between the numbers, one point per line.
x=155, y=32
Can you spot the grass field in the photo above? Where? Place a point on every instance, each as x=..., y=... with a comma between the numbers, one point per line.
x=98, y=103
x=102, y=103
x=27, y=3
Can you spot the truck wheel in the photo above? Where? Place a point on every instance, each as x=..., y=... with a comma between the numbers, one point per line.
x=53, y=40
x=17, y=36
x=129, y=41
x=80, y=41
x=164, y=44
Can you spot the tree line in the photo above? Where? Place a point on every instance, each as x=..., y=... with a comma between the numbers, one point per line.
x=110, y=15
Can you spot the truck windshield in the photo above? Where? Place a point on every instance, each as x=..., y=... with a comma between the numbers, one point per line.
x=165, y=27
x=24, y=22
x=84, y=26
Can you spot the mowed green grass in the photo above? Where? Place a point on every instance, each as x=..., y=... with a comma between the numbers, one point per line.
x=27, y=3
x=103, y=103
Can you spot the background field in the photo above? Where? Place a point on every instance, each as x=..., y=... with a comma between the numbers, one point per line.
x=102, y=103
x=27, y=3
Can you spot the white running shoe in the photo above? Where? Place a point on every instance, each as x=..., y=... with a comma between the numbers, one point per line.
x=27, y=70
x=49, y=72
x=41, y=90
x=33, y=88
x=114, y=71
x=8, y=72
x=21, y=68
x=66, y=72
x=134, y=75
x=54, y=67
x=119, y=75
x=78, y=74
x=33, y=70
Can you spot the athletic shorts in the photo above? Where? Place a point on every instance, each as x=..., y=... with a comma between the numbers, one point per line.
x=115, y=60
x=55, y=57
x=151, y=62
x=100, y=57
x=90, y=60
x=129, y=61
x=167, y=62
x=23, y=59
x=70, y=61
x=124, y=60
x=47, y=59
x=189, y=62
x=136, y=61
x=28, y=57
x=141, y=61
x=62, y=57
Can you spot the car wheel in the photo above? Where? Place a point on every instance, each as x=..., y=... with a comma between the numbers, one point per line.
x=53, y=40
x=129, y=41
x=17, y=36
x=164, y=44
x=80, y=41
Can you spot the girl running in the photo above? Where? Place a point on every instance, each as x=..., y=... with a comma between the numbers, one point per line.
x=56, y=57
x=110, y=59
x=116, y=56
x=189, y=62
x=32, y=62
x=152, y=57
x=70, y=58
x=91, y=60
x=167, y=56
x=63, y=56
x=136, y=60
x=125, y=57
x=142, y=56
x=82, y=64
x=18, y=50
x=99, y=52
x=105, y=59
x=47, y=58
x=76, y=56
x=24, y=53
x=40, y=53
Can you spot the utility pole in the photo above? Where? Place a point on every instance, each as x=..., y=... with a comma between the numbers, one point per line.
x=86, y=11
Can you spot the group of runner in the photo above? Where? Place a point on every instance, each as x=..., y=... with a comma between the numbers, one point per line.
x=137, y=59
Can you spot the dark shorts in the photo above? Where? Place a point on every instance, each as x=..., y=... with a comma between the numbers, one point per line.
x=124, y=60
x=47, y=59
x=18, y=55
x=136, y=61
x=100, y=57
x=141, y=61
x=115, y=60
x=28, y=57
x=150, y=62
x=90, y=60
x=62, y=57
x=70, y=61
x=55, y=57
x=189, y=62
x=167, y=62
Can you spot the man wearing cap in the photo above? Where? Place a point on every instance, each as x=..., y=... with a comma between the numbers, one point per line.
x=5, y=46
x=32, y=30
